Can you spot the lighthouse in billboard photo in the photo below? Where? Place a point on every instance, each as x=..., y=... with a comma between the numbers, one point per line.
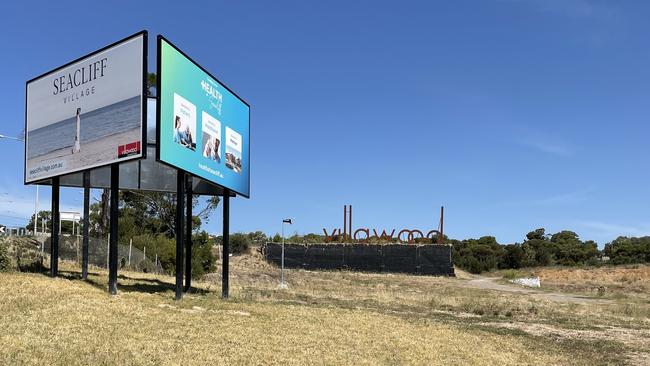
x=77, y=136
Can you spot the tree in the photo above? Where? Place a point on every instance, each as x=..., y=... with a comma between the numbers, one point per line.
x=537, y=234
x=151, y=84
x=477, y=255
x=629, y=250
x=257, y=238
x=513, y=256
x=537, y=249
x=46, y=216
x=103, y=214
x=155, y=212
x=570, y=250
x=43, y=216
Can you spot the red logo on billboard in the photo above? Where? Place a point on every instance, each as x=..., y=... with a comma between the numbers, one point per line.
x=132, y=148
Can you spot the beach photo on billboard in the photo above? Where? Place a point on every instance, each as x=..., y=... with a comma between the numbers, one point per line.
x=87, y=113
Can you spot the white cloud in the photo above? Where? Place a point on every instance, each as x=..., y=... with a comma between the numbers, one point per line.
x=17, y=209
x=555, y=148
x=571, y=8
x=614, y=230
x=572, y=197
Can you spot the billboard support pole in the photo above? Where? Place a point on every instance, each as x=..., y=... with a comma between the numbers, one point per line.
x=86, y=224
x=180, y=192
x=112, y=241
x=188, y=236
x=226, y=243
x=54, y=235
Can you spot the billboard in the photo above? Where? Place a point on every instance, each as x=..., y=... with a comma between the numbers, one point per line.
x=87, y=113
x=203, y=127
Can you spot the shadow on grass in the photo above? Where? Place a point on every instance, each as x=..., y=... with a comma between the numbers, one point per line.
x=145, y=285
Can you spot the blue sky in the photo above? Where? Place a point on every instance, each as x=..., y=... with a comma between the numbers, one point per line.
x=513, y=114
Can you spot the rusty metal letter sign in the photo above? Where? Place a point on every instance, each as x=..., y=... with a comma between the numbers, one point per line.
x=362, y=235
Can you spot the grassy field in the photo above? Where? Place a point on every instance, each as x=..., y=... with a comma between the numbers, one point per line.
x=323, y=318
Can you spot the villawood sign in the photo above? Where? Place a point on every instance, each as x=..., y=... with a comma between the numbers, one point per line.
x=362, y=235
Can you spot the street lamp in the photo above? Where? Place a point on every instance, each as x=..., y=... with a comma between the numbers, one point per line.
x=36, y=201
x=283, y=284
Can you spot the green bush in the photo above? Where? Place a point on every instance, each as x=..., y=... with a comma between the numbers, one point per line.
x=203, y=261
x=5, y=260
x=160, y=245
x=511, y=274
x=477, y=255
x=146, y=266
x=239, y=243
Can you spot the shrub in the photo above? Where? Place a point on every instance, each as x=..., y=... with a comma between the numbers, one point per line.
x=203, y=261
x=510, y=274
x=5, y=260
x=239, y=243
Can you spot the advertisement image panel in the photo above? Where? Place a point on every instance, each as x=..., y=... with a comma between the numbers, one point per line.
x=88, y=113
x=203, y=127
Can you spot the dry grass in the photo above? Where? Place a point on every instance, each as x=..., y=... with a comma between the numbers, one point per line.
x=323, y=318
x=630, y=283
x=631, y=278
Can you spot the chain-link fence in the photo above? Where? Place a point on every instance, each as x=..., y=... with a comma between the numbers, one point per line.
x=128, y=256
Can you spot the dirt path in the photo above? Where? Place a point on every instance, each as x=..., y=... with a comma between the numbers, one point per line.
x=489, y=283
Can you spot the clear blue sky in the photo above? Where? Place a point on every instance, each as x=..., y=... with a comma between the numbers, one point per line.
x=513, y=114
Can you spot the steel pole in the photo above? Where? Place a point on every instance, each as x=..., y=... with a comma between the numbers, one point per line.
x=282, y=259
x=180, y=191
x=54, y=236
x=188, y=236
x=112, y=242
x=36, y=213
x=225, y=244
x=86, y=226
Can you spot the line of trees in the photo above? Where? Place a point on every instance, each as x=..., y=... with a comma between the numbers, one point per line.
x=541, y=249
x=624, y=250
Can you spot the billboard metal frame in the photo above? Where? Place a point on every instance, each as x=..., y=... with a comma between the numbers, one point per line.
x=159, y=74
x=143, y=118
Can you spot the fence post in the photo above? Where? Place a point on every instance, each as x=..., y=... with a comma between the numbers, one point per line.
x=108, y=242
x=130, y=246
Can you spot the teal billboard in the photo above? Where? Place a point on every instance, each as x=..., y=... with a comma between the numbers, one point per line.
x=203, y=127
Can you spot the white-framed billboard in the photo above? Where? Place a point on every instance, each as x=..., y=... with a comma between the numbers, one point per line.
x=89, y=112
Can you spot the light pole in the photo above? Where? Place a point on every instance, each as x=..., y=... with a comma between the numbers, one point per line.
x=36, y=201
x=283, y=284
